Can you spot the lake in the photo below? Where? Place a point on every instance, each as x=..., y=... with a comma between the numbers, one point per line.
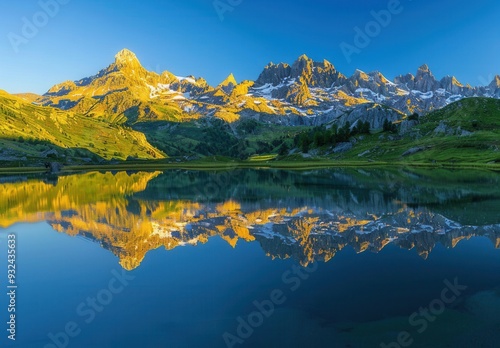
x=251, y=258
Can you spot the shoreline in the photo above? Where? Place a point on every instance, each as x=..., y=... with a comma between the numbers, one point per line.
x=230, y=165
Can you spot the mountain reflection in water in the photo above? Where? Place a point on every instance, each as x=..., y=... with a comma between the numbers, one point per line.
x=306, y=216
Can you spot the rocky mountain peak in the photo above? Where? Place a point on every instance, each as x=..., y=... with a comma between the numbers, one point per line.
x=125, y=57
x=126, y=62
x=380, y=78
x=452, y=80
x=496, y=82
x=304, y=57
x=425, y=81
x=327, y=65
x=314, y=74
x=62, y=89
x=377, y=80
x=303, y=66
x=451, y=84
x=360, y=75
x=361, y=82
x=228, y=84
x=230, y=80
x=274, y=74
x=424, y=68
x=424, y=71
x=405, y=80
x=456, y=82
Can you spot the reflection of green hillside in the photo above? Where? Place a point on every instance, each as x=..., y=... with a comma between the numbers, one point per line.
x=466, y=196
x=446, y=191
x=23, y=201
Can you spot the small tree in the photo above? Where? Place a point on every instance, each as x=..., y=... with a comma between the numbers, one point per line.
x=385, y=126
x=413, y=117
x=332, y=136
x=304, y=142
x=365, y=128
x=319, y=138
x=344, y=133
x=389, y=127
x=361, y=128
x=284, y=149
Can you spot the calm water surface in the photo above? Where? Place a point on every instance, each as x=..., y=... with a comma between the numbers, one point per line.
x=330, y=258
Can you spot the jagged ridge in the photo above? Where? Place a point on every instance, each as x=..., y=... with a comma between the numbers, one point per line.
x=126, y=92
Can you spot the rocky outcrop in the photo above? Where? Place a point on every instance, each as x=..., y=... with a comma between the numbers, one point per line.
x=425, y=81
x=53, y=167
x=228, y=84
x=374, y=114
x=299, y=93
x=494, y=87
x=413, y=151
x=314, y=74
x=62, y=89
x=274, y=74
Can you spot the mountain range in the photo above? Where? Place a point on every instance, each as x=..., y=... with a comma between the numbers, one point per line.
x=306, y=92
x=127, y=112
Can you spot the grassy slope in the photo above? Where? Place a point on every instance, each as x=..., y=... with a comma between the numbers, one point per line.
x=30, y=130
x=481, y=116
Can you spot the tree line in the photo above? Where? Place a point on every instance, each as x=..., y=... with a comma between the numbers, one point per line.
x=322, y=136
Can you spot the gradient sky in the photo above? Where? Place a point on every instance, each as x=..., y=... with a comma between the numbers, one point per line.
x=188, y=37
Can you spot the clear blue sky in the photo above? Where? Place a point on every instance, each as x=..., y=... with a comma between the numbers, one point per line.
x=188, y=38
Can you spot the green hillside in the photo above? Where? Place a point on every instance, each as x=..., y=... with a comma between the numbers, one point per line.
x=467, y=131
x=214, y=137
x=30, y=132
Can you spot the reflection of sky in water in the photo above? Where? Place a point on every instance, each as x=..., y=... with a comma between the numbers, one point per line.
x=189, y=296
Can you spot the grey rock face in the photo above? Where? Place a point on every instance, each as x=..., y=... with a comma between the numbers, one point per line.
x=274, y=74
x=406, y=82
x=372, y=113
x=406, y=126
x=450, y=84
x=50, y=153
x=425, y=81
x=315, y=74
x=343, y=147
x=413, y=151
x=53, y=167
x=494, y=87
x=443, y=129
x=325, y=75
x=495, y=84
